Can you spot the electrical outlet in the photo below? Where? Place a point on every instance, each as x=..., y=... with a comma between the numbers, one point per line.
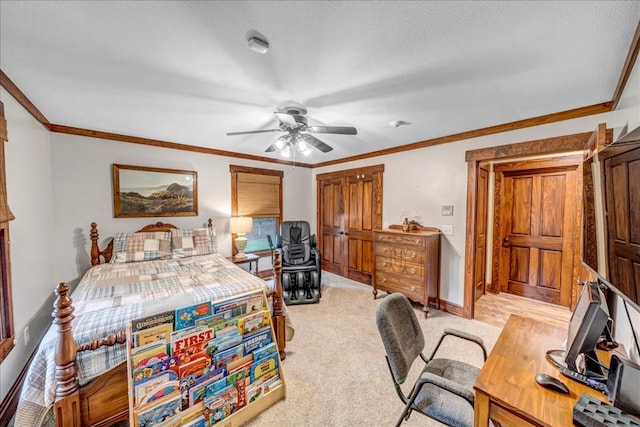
x=448, y=230
x=26, y=335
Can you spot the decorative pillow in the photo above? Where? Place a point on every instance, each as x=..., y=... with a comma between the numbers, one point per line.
x=132, y=247
x=190, y=242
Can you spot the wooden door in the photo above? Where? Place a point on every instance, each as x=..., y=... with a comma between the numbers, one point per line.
x=622, y=175
x=481, y=233
x=359, y=225
x=349, y=209
x=538, y=225
x=331, y=213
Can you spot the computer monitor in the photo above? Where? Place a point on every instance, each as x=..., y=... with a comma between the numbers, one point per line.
x=586, y=327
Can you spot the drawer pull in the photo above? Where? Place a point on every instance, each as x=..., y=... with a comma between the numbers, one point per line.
x=383, y=280
x=384, y=249
x=412, y=270
x=383, y=264
x=417, y=241
x=414, y=255
x=413, y=289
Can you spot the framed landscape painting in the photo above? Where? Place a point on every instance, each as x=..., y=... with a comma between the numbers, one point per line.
x=140, y=191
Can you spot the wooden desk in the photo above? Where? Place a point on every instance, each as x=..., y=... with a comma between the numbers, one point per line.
x=506, y=390
x=249, y=259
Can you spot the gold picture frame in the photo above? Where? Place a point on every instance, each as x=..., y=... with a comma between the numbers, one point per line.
x=140, y=191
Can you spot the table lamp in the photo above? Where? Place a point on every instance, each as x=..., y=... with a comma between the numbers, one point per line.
x=240, y=225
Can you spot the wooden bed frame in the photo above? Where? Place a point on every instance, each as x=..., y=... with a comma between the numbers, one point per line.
x=104, y=400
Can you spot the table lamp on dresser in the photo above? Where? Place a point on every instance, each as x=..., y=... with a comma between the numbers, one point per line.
x=241, y=225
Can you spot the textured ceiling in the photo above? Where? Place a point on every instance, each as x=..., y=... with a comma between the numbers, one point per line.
x=182, y=71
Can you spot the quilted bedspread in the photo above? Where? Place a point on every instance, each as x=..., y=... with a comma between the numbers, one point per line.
x=108, y=297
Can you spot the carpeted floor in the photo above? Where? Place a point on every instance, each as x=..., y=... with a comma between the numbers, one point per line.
x=335, y=370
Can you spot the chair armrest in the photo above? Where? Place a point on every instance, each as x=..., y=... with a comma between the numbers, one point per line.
x=460, y=334
x=312, y=241
x=447, y=384
x=467, y=336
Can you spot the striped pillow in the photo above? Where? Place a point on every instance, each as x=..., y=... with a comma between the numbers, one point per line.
x=190, y=242
x=132, y=247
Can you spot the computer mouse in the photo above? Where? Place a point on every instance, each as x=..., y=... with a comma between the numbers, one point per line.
x=552, y=383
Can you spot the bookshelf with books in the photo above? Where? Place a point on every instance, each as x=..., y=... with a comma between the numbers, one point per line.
x=212, y=363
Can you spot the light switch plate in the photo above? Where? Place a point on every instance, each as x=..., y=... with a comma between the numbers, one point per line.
x=446, y=210
x=447, y=229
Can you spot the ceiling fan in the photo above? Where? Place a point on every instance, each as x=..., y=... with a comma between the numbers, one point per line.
x=292, y=120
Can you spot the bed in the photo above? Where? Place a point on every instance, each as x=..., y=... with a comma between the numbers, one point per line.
x=79, y=368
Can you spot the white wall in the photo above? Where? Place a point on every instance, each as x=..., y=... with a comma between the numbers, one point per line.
x=29, y=192
x=82, y=184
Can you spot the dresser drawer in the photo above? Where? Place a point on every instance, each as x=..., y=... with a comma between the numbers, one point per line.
x=400, y=239
x=413, y=255
x=400, y=267
x=395, y=283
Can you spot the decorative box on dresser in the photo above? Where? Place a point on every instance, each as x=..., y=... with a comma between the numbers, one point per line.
x=409, y=263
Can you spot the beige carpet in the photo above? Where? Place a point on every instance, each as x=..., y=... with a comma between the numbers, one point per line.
x=335, y=370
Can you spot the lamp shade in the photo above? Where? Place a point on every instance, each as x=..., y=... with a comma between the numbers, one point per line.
x=241, y=224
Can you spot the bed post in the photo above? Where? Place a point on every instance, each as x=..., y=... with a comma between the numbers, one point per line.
x=67, y=404
x=95, y=251
x=278, y=306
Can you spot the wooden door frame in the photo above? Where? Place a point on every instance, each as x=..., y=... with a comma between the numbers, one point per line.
x=546, y=146
x=547, y=164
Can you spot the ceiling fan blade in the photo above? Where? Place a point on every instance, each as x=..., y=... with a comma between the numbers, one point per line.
x=271, y=149
x=315, y=142
x=287, y=119
x=253, y=131
x=343, y=130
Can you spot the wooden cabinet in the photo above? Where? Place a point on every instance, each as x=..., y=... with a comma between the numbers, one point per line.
x=408, y=263
x=349, y=209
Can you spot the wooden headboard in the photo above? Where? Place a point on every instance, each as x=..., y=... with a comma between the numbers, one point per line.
x=107, y=253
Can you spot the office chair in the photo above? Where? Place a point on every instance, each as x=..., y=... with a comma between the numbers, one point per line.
x=301, y=271
x=444, y=390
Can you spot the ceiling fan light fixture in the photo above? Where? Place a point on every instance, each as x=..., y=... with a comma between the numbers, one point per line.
x=257, y=44
x=286, y=151
x=280, y=142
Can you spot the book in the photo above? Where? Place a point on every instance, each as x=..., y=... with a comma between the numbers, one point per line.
x=197, y=365
x=253, y=391
x=143, y=372
x=263, y=366
x=152, y=321
x=270, y=382
x=264, y=351
x=142, y=388
x=256, y=339
x=237, y=306
x=223, y=358
x=150, y=355
x=157, y=412
x=198, y=390
x=188, y=316
x=243, y=363
x=185, y=346
x=160, y=333
x=253, y=321
x=163, y=389
x=224, y=342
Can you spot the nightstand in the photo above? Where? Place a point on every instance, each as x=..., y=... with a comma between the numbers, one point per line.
x=249, y=259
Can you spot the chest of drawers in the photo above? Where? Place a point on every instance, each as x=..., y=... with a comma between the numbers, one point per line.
x=408, y=263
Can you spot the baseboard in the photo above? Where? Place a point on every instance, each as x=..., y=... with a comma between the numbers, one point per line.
x=9, y=404
x=452, y=308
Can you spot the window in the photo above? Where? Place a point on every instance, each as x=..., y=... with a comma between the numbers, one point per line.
x=257, y=193
x=6, y=311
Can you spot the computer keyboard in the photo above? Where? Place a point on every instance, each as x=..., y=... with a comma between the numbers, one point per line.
x=583, y=379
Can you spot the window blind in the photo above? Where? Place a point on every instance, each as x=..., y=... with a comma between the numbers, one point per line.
x=258, y=195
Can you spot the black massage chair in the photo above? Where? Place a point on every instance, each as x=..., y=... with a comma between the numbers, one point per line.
x=300, y=263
